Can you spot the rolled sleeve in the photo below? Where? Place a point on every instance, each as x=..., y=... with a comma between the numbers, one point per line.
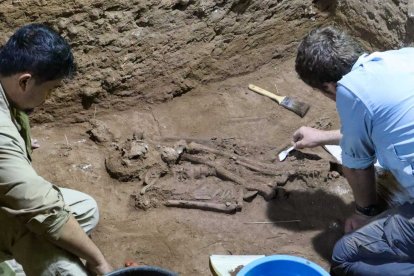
x=358, y=151
x=356, y=163
x=24, y=194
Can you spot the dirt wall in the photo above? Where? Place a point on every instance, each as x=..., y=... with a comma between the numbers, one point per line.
x=131, y=53
x=134, y=52
x=381, y=25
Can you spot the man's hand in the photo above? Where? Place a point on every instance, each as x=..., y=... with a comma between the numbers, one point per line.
x=100, y=269
x=355, y=221
x=308, y=137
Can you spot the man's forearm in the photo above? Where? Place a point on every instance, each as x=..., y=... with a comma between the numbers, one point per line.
x=362, y=182
x=332, y=137
x=74, y=239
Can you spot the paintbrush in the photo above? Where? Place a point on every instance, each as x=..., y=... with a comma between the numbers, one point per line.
x=298, y=107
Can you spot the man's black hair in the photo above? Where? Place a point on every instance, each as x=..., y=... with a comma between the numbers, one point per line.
x=39, y=50
x=326, y=55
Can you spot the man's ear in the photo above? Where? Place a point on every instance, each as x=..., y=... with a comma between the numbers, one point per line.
x=23, y=81
x=330, y=87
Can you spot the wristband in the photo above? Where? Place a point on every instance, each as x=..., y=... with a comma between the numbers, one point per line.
x=369, y=211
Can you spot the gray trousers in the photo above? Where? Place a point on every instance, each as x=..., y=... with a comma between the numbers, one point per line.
x=385, y=246
x=40, y=257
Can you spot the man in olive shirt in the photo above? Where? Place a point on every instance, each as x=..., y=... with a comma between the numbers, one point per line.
x=42, y=226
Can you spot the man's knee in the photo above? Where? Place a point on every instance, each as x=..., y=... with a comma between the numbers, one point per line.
x=343, y=250
x=83, y=207
x=344, y=254
x=88, y=217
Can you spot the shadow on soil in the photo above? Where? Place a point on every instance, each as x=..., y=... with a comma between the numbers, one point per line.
x=314, y=210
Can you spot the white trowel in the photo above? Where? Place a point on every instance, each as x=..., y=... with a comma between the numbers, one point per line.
x=283, y=154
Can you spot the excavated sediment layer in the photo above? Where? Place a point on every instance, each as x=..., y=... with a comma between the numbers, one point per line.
x=131, y=53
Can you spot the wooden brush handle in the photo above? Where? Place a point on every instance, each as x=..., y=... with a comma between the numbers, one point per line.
x=264, y=92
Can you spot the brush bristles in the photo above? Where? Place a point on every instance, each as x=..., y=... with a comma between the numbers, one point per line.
x=299, y=108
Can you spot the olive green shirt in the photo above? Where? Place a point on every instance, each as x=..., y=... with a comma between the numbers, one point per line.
x=25, y=195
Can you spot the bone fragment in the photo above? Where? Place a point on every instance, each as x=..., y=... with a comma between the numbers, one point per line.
x=207, y=206
x=150, y=178
x=265, y=191
x=258, y=169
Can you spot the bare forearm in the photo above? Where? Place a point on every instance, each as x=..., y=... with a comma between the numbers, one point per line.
x=332, y=137
x=362, y=182
x=75, y=240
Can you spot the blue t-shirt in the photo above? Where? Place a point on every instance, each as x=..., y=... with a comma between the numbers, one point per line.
x=375, y=102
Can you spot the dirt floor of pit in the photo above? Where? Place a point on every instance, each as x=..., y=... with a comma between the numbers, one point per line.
x=247, y=124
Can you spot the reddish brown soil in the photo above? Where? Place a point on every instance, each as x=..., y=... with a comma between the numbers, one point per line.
x=226, y=116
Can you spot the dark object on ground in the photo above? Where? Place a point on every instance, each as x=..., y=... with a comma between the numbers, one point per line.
x=142, y=271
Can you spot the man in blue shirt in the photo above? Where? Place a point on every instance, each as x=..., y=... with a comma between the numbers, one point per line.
x=374, y=96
